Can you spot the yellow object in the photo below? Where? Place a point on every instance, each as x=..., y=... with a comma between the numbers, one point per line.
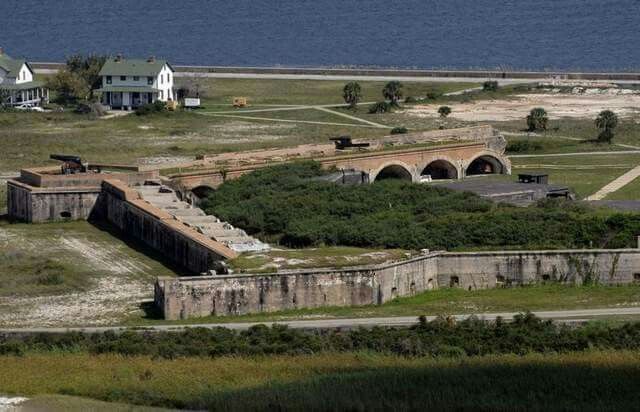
x=240, y=102
x=172, y=105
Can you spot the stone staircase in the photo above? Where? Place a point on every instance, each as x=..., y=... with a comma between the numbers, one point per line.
x=236, y=239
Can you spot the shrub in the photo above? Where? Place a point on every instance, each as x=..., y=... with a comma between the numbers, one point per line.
x=380, y=107
x=282, y=204
x=444, y=111
x=490, y=86
x=150, y=108
x=520, y=146
x=399, y=130
x=410, y=100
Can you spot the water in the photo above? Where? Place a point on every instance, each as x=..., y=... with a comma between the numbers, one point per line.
x=511, y=34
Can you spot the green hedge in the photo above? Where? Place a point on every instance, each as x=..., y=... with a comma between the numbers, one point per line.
x=285, y=204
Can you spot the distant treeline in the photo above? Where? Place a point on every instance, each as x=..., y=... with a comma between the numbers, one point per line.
x=284, y=204
x=441, y=337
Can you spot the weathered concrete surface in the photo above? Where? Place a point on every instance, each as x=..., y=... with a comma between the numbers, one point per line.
x=123, y=207
x=35, y=205
x=181, y=298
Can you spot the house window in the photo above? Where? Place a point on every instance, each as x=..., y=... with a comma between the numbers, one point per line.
x=136, y=78
x=123, y=78
x=149, y=81
x=109, y=80
x=161, y=78
x=161, y=94
x=168, y=77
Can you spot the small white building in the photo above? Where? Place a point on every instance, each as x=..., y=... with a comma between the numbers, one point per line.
x=16, y=77
x=130, y=83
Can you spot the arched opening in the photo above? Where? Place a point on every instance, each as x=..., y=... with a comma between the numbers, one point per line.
x=200, y=193
x=485, y=165
x=394, y=172
x=440, y=169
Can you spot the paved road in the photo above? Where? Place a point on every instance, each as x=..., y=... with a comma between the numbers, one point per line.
x=562, y=315
x=341, y=77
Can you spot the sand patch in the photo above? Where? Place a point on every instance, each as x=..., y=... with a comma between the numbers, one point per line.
x=586, y=105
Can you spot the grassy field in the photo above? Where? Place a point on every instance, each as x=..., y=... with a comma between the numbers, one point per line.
x=29, y=138
x=453, y=301
x=347, y=381
x=628, y=192
x=585, y=174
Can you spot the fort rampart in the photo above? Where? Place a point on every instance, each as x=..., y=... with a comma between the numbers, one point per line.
x=181, y=298
x=122, y=207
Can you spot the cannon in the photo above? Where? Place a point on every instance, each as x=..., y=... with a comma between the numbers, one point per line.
x=345, y=142
x=70, y=164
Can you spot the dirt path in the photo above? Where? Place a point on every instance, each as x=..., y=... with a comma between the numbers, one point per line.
x=616, y=184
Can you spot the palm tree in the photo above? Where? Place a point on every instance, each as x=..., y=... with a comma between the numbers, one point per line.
x=444, y=111
x=352, y=94
x=537, y=119
x=393, y=92
x=606, y=121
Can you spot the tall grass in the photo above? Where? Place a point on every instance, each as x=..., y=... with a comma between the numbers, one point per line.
x=353, y=381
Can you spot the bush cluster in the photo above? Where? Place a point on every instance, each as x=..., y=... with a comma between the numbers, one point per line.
x=521, y=146
x=149, y=108
x=284, y=204
x=440, y=337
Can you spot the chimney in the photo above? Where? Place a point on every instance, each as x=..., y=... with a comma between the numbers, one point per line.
x=151, y=59
x=118, y=57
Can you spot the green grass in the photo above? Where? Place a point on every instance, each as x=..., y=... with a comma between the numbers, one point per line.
x=452, y=301
x=65, y=403
x=305, y=92
x=585, y=174
x=627, y=132
x=628, y=192
x=29, y=138
x=323, y=257
x=349, y=381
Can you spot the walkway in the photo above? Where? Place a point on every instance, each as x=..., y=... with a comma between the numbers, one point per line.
x=580, y=315
x=616, y=184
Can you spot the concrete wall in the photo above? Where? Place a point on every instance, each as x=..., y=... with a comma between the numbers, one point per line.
x=122, y=207
x=181, y=298
x=42, y=205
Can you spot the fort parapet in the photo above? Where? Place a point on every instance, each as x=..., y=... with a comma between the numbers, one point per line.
x=182, y=298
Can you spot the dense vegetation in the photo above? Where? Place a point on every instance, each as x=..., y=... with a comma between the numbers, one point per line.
x=285, y=204
x=440, y=337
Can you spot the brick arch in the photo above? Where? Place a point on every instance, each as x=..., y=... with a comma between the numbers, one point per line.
x=398, y=168
x=447, y=165
x=487, y=162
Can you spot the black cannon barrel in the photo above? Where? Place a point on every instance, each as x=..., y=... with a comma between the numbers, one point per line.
x=66, y=158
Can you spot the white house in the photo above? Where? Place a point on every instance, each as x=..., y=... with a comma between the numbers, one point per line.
x=16, y=76
x=129, y=83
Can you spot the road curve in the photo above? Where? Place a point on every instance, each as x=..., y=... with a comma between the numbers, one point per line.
x=579, y=315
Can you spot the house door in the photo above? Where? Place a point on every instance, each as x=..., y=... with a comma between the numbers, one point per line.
x=135, y=99
x=116, y=99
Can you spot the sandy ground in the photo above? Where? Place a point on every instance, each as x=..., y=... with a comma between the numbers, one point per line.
x=518, y=107
x=122, y=282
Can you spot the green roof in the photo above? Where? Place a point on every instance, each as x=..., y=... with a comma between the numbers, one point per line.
x=126, y=89
x=132, y=67
x=11, y=66
x=22, y=86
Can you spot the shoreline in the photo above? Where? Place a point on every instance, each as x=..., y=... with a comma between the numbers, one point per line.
x=346, y=73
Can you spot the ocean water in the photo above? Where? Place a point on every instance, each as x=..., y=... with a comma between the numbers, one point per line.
x=511, y=34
